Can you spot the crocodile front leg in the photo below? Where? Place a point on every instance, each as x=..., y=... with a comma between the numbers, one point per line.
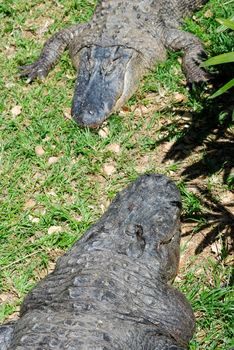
x=194, y=53
x=51, y=53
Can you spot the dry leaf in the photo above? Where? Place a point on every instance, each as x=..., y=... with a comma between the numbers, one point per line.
x=114, y=147
x=109, y=169
x=140, y=111
x=37, y=176
x=47, y=138
x=180, y=97
x=179, y=59
x=54, y=229
x=53, y=160
x=44, y=26
x=216, y=248
x=33, y=219
x=16, y=111
x=124, y=112
x=187, y=116
x=178, y=279
x=51, y=193
x=7, y=297
x=30, y=203
x=9, y=85
x=143, y=164
x=39, y=151
x=10, y=51
x=104, y=205
x=67, y=113
x=208, y=14
x=40, y=211
x=103, y=133
x=227, y=198
x=78, y=218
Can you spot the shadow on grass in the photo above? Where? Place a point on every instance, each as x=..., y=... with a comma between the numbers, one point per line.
x=218, y=219
x=221, y=219
x=209, y=132
x=209, y=129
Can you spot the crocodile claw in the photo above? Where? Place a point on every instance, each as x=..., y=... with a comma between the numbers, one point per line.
x=192, y=69
x=33, y=71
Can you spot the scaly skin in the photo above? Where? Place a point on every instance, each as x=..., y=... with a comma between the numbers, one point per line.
x=112, y=289
x=114, y=50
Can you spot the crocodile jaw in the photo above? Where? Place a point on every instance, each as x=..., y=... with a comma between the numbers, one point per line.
x=107, y=78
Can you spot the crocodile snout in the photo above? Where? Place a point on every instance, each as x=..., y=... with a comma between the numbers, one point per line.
x=104, y=82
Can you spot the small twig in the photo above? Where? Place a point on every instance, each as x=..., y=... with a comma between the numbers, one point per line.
x=19, y=260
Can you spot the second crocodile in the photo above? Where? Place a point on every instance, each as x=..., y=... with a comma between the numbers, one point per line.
x=114, y=50
x=112, y=290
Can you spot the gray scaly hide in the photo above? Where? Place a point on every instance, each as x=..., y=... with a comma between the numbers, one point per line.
x=112, y=289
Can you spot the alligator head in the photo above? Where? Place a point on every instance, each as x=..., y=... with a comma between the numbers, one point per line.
x=150, y=222
x=107, y=78
x=143, y=223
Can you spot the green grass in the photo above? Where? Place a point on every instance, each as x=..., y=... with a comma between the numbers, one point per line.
x=206, y=286
x=73, y=192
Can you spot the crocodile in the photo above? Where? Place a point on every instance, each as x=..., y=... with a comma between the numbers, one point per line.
x=113, y=288
x=114, y=50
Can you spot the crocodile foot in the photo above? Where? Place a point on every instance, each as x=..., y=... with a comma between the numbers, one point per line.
x=192, y=67
x=33, y=71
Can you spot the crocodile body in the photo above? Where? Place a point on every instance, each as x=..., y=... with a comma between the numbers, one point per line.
x=114, y=50
x=112, y=289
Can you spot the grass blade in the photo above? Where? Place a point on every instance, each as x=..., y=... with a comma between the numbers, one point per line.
x=225, y=23
x=223, y=89
x=220, y=59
